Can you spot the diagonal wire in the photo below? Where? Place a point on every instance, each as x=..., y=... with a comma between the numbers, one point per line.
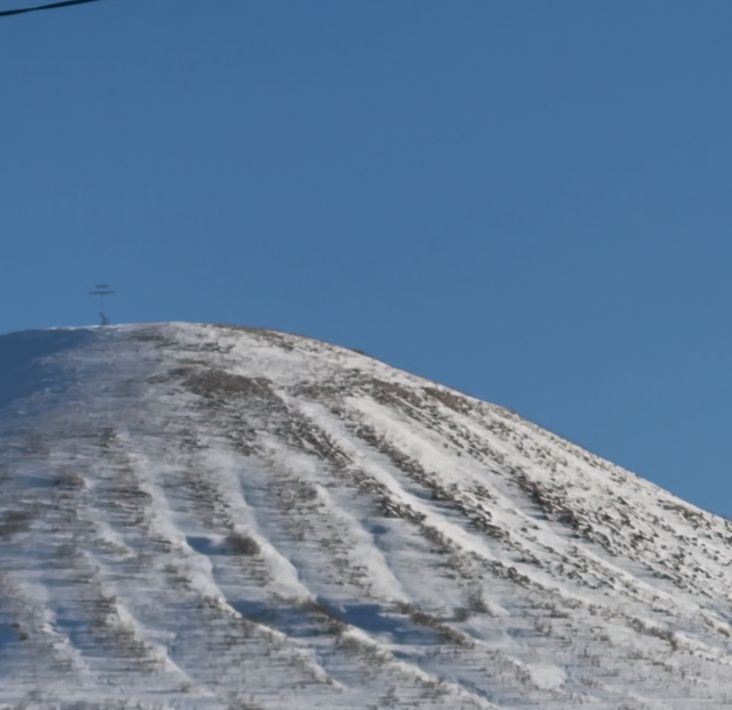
x=49, y=6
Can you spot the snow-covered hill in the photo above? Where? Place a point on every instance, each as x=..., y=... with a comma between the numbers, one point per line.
x=212, y=517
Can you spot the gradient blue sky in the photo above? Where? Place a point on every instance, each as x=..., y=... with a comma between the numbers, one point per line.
x=529, y=201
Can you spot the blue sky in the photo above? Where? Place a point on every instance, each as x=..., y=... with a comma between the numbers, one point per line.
x=529, y=201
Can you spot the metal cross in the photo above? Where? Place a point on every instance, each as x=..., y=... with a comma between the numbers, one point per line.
x=102, y=290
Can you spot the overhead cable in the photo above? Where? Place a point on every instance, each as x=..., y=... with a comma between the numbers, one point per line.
x=49, y=6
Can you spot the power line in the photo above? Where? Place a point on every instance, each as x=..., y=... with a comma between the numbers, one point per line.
x=49, y=6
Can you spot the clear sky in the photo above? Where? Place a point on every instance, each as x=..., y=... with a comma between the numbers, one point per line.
x=526, y=200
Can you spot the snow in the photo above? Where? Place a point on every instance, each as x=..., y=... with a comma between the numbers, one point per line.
x=199, y=516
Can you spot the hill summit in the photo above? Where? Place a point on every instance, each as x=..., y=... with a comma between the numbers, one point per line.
x=199, y=516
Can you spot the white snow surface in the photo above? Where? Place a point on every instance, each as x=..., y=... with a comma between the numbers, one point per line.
x=200, y=516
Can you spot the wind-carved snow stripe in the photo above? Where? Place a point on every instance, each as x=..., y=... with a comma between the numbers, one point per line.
x=310, y=487
x=231, y=470
x=115, y=608
x=199, y=571
x=27, y=603
x=475, y=545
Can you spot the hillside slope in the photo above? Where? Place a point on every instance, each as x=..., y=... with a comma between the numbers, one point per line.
x=213, y=517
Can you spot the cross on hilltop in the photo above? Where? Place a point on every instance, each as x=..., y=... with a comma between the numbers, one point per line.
x=102, y=290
